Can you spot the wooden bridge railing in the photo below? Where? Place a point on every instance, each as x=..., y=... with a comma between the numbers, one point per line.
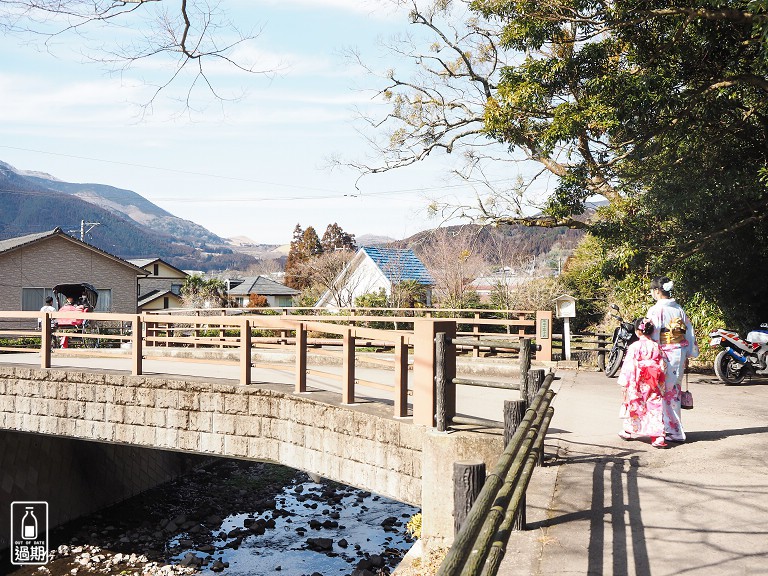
x=142, y=337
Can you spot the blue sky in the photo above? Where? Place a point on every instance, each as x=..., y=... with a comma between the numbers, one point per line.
x=253, y=167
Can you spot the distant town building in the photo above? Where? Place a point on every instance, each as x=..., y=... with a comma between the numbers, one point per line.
x=32, y=265
x=277, y=295
x=373, y=269
x=161, y=288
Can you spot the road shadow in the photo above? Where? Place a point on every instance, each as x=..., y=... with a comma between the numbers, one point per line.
x=712, y=435
x=614, y=515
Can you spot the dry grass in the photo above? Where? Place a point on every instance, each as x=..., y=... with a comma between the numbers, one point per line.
x=426, y=565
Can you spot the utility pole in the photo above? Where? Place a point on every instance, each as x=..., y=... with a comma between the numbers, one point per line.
x=83, y=231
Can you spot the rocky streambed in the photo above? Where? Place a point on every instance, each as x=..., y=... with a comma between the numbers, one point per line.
x=236, y=518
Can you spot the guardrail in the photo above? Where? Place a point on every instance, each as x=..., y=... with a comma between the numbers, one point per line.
x=499, y=506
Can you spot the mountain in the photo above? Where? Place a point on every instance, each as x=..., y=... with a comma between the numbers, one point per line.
x=488, y=241
x=129, y=225
x=373, y=240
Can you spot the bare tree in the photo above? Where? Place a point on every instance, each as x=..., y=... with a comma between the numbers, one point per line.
x=329, y=272
x=440, y=98
x=454, y=260
x=191, y=35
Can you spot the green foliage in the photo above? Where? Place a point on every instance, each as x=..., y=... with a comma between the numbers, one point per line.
x=635, y=104
x=334, y=238
x=373, y=300
x=308, y=296
x=199, y=292
x=706, y=316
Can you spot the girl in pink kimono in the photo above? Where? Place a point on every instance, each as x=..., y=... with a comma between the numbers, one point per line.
x=642, y=377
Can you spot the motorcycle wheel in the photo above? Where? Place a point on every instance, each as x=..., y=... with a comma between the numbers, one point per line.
x=728, y=370
x=613, y=362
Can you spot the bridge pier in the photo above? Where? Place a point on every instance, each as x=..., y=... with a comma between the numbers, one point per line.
x=440, y=451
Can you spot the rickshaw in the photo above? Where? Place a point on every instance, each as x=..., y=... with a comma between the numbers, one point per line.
x=85, y=297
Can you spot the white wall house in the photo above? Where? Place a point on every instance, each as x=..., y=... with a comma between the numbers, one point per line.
x=373, y=269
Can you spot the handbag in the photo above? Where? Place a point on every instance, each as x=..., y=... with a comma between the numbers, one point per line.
x=686, y=397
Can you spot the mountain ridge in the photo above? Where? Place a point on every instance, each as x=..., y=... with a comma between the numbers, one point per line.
x=130, y=226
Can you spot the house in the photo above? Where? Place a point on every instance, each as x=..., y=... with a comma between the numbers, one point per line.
x=161, y=288
x=277, y=295
x=373, y=269
x=32, y=265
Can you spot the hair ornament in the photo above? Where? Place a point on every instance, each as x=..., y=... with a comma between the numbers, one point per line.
x=667, y=286
x=641, y=326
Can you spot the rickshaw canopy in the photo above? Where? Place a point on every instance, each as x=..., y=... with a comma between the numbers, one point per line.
x=78, y=292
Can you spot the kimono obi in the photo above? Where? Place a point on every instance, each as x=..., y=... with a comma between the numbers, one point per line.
x=670, y=337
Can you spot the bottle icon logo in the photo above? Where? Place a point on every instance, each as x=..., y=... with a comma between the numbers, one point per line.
x=29, y=533
x=29, y=524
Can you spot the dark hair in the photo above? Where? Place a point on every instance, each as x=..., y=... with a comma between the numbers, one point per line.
x=658, y=284
x=48, y=300
x=644, y=326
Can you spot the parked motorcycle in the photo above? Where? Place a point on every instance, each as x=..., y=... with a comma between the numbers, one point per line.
x=740, y=357
x=623, y=336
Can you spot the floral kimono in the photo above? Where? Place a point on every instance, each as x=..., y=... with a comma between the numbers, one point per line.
x=642, y=377
x=677, y=348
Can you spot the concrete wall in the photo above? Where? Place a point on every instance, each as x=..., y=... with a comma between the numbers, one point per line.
x=55, y=260
x=76, y=477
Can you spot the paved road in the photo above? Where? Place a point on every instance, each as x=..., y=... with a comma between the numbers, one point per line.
x=605, y=506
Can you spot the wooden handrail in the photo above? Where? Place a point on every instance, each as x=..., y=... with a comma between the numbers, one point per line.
x=496, y=501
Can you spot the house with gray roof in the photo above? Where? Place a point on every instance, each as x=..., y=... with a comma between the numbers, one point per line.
x=373, y=269
x=160, y=289
x=278, y=295
x=31, y=265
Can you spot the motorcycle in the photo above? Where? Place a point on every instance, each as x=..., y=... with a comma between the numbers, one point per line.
x=740, y=357
x=623, y=336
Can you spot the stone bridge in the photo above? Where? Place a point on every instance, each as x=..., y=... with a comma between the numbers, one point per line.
x=362, y=444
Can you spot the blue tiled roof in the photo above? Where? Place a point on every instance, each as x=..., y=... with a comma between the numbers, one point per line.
x=399, y=265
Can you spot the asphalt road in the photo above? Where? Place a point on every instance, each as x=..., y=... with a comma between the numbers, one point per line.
x=606, y=506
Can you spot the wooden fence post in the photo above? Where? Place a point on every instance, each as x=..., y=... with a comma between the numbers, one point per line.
x=544, y=335
x=401, y=378
x=45, y=341
x=424, y=358
x=245, y=352
x=533, y=383
x=525, y=364
x=301, y=358
x=348, y=368
x=440, y=384
x=137, y=342
x=535, y=380
x=476, y=330
x=514, y=412
x=468, y=480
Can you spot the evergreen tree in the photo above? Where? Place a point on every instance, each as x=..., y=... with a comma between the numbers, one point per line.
x=335, y=238
x=294, y=259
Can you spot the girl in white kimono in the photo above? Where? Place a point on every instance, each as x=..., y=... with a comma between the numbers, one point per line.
x=674, y=333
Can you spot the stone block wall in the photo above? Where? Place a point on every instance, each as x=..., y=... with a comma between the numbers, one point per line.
x=346, y=444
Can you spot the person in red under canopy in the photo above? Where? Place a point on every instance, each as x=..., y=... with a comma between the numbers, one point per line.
x=70, y=306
